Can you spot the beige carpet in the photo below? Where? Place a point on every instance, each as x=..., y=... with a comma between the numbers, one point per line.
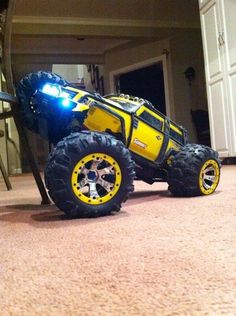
x=159, y=256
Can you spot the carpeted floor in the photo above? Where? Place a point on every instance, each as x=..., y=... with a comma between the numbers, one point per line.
x=159, y=256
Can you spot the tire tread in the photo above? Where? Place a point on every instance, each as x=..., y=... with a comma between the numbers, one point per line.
x=184, y=170
x=59, y=164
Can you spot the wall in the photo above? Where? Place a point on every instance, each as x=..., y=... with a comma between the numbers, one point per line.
x=71, y=73
x=186, y=51
x=9, y=147
x=13, y=148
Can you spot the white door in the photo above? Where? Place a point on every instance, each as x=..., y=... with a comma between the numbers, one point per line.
x=228, y=10
x=202, y=3
x=214, y=67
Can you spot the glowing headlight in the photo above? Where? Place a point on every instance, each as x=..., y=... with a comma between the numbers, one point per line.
x=52, y=90
x=65, y=102
x=64, y=98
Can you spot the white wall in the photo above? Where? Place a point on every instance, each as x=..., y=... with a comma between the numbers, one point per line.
x=71, y=73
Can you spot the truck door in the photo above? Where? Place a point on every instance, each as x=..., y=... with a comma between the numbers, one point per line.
x=147, y=136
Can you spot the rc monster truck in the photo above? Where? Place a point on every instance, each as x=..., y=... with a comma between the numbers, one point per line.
x=101, y=144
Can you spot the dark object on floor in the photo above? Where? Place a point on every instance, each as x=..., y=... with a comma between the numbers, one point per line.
x=3, y=170
x=229, y=161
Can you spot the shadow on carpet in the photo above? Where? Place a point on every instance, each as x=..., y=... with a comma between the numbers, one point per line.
x=50, y=213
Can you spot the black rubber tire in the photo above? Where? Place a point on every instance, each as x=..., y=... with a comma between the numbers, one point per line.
x=185, y=167
x=63, y=160
x=25, y=90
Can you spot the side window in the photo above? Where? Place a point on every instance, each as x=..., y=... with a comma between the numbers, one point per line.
x=151, y=120
x=176, y=136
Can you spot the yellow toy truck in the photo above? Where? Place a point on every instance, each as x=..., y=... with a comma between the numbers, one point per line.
x=101, y=144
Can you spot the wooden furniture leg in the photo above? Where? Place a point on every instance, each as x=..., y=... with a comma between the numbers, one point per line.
x=4, y=174
x=22, y=134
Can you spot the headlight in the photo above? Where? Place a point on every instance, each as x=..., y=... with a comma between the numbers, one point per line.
x=65, y=102
x=63, y=97
x=51, y=89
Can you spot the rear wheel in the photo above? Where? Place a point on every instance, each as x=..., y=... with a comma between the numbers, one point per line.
x=194, y=170
x=89, y=174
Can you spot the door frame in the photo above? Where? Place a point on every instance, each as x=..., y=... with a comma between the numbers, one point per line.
x=140, y=65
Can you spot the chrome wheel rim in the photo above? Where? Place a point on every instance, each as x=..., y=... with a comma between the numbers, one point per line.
x=96, y=178
x=209, y=176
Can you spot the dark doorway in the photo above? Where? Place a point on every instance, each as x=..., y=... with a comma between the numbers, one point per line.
x=147, y=83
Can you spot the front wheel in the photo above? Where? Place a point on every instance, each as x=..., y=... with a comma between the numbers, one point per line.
x=30, y=109
x=89, y=174
x=193, y=171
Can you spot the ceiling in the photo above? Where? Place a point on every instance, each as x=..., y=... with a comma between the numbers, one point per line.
x=82, y=31
x=116, y=9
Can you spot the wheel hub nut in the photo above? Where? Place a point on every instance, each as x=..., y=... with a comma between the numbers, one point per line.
x=92, y=175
